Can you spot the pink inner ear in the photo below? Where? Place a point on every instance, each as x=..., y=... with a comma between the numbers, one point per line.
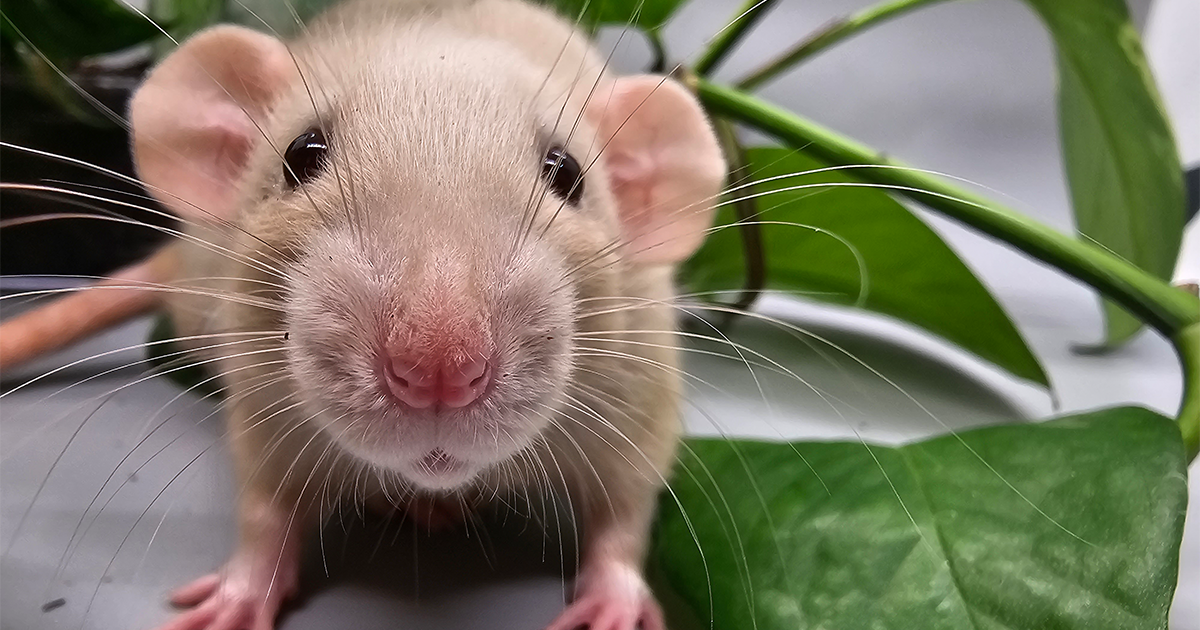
x=632, y=182
x=218, y=146
x=231, y=133
x=665, y=166
x=192, y=126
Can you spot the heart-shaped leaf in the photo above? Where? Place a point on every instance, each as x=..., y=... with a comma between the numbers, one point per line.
x=1121, y=160
x=1070, y=524
x=910, y=273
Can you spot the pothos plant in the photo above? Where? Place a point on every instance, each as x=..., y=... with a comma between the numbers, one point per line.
x=1074, y=522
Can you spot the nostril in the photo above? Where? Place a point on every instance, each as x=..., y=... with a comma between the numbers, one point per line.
x=409, y=382
x=397, y=376
x=462, y=384
x=465, y=373
x=455, y=384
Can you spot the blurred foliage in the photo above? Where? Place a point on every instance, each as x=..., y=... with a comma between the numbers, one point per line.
x=1122, y=164
x=66, y=31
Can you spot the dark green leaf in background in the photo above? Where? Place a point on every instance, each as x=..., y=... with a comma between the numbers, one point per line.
x=182, y=18
x=911, y=273
x=647, y=14
x=275, y=16
x=172, y=360
x=1121, y=161
x=67, y=30
x=943, y=540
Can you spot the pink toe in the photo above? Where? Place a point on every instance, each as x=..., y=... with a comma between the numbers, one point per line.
x=195, y=592
x=232, y=618
x=570, y=619
x=197, y=619
x=602, y=622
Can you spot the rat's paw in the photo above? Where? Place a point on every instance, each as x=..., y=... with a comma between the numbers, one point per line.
x=238, y=598
x=612, y=598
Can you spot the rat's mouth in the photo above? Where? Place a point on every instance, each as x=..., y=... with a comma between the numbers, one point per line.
x=438, y=462
x=438, y=470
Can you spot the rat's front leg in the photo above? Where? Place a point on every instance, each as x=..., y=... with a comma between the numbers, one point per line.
x=615, y=501
x=246, y=593
x=610, y=590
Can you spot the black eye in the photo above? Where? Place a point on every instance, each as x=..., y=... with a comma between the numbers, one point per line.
x=305, y=157
x=563, y=174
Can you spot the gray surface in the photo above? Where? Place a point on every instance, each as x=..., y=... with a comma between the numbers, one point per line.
x=965, y=88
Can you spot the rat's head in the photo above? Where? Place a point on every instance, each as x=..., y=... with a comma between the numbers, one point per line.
x=444, y=208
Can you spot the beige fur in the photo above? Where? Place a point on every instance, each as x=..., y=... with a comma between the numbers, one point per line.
x=438, y=114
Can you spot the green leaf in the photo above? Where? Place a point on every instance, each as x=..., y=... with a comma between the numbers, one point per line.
x=647, y=14
x=275, y=16
x=68, y=30
x=185, y=17
x=1121, y=161
x=1070, y=524
x=910, y=273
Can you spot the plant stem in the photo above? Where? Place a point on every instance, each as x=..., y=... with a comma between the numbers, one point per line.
x=724, y=41
x=1167, y=308
x=1187, y=344
x=1174, y=312
x=745, y=208
x=829, y=35
x=658, y=64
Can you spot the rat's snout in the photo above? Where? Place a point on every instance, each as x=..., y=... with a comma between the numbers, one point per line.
x=452, y=381
x=440, y=351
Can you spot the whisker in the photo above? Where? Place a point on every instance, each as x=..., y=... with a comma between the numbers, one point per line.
x=153, y=373
x=149, y=286
x=133, y=180
x=232, y=255
x=257, y=336
x=67, y=554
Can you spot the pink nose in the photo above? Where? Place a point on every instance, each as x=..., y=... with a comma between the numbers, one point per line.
x=454, y=384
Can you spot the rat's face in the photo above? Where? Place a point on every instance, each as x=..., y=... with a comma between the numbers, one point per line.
x=446, y=231
x=445, y=205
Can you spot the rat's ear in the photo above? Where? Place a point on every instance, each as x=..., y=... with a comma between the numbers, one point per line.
x=665, y=165
x=192, y=118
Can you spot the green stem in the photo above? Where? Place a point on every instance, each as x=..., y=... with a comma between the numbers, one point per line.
x=658, y=64
x=1187, y=344
x=724, y=41
x=1174, y=312
x=829, y=35
x=745, y=209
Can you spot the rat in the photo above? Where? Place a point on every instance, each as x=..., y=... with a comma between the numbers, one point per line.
x=440, y=237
